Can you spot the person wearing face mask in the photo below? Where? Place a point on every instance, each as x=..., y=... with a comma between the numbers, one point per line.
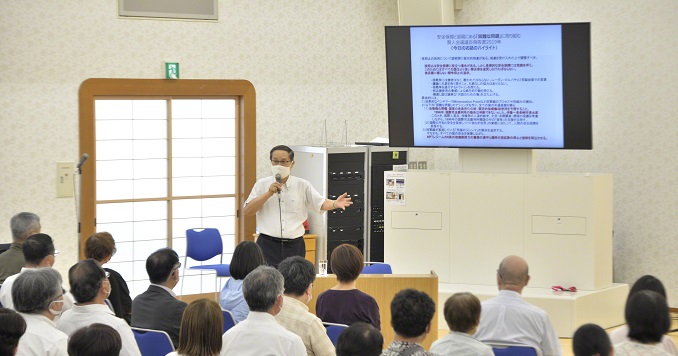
x=282, y=202
x=299, y=275
x=90, y=287
x=39, y=252
x=39, y=299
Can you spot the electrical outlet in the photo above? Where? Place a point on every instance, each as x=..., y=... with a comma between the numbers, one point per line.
x=421, y=165
x=412, y=165
x=65, y=179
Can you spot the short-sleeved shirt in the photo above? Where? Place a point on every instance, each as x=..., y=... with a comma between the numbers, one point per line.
x=297, y=198
x=347, y=307
x=261, y=335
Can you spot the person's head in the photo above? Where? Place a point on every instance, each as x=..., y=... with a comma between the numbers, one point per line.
x=346, y=262
x=38, y=291
x=591, y=339
x=89, y=283
x=201, y=328
x=95, y=339
x=100, y=247
x=411, y=313
x=462, y=312
x=360, y=339
x=263, y=289
x=299, y=275
x=246, y=257
x=513, y=274
x=39, y=251
x=24, y=225
x=12, y=327
x=282, y=160
x=162, y=267
x=647, y=315
x=648, y=282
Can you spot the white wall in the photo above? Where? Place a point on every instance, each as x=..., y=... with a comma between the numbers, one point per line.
x=312, y=61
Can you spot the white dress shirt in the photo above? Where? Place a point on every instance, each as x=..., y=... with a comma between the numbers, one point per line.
x=6, y=293
x=460, y=344
x=261, y=335
x=85, y=315
x=42, y=337
x=508, y=318
x=297, y=197
x=617, y=336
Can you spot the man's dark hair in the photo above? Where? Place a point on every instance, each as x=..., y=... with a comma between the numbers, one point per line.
x=411, y=312
x=462, y=312
x=96, y=339
x=160, y=264
x=360, y=339
x=648, y=282
x=37, y=247
x=246, y=257
x=591, y=339
x=647, y=314
x=281, y=148
x=12, y=327
x=85, y=278
x=298, y=273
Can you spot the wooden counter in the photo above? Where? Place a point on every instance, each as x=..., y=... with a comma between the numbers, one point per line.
x=383, y=287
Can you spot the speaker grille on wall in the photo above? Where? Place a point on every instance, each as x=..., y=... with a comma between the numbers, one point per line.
x=170, y=9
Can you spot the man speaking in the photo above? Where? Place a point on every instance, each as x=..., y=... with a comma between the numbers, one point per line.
x=281, y=203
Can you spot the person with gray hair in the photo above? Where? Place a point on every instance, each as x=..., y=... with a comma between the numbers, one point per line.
x=22, y=225
x=507, y=318
x=90, y=287
x=260, y=333
x=38, y=297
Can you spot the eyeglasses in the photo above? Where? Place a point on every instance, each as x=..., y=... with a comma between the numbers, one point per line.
x=176, y=268
x=55, y=253
x=280, y=163
x=107, y=274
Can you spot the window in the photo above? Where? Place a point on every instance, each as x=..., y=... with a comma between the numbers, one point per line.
x=167, y=158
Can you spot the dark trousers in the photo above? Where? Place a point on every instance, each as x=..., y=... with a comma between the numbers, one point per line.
x=275, y=249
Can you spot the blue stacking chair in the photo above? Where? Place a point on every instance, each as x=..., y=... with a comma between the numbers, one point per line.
x=203, y=244
x=333, y=330
x=377, y=268
x=153, y=342
x=229, y=319
x=502, y=349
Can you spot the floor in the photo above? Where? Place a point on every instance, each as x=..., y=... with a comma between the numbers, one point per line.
x=566, y=343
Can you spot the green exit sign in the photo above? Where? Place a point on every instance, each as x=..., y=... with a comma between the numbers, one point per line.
x=171, y=70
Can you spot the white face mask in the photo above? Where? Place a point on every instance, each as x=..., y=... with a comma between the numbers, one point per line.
x=282, y=170
x=310, y=296
x=56, y=312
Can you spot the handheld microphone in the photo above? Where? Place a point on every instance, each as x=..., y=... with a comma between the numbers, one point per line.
x=278, y=179
x=85, y=156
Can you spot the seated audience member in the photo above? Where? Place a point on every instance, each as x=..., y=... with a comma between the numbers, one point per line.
x=299, y=275
x=343, y=303
x=38, y=251
x=22, y=225
x=101, y=248
x=507, y=318
x=246, y=257
x=260, y=333
x=462, y=313
x=590, y=340
x=38, y=296
x=647, y=282
x=411, y=314
x=12, y=327
x=158, y=307
x=201, y=329
x=647, y=315
x=360, y=339
x=90, y=287
x=95, y=340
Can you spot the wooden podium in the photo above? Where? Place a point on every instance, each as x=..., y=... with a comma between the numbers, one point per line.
x=383, y=287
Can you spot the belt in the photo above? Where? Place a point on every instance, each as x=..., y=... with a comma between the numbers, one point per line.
x=282, y=241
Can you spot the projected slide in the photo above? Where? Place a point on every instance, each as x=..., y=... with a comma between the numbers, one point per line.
x=487, y=86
